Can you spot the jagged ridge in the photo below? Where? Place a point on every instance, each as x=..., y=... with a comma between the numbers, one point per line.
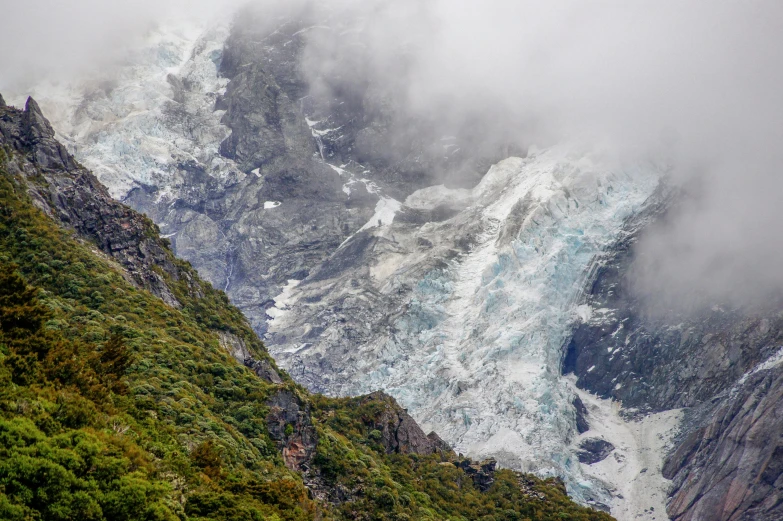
x=187, y=431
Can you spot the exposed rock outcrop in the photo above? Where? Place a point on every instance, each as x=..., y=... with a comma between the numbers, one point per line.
x=593, y=450
x=582, y=425
x=71, y=194
x=263, y=369
x=290, y=426
x=234, y=345
x=399, y=432
x=731, y=466
x=482, y=473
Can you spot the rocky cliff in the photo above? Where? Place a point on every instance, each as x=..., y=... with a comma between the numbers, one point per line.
x=316, y=201
x=132, y=389
x=722, y=365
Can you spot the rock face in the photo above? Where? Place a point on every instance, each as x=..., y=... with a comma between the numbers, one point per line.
x=290, y=427
x=482, y=473
x=582, y=425
x=721, y=365
x=593, y=450
x=263, y=369
x=399, y=432
x=729, y=466
x=74, y=196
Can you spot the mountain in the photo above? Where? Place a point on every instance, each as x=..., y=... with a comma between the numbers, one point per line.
x=494, y=305
x=131, y=389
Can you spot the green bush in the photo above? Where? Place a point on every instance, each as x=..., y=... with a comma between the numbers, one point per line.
x=114, y=406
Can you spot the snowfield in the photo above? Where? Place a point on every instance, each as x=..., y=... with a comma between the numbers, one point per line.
x=474, y=351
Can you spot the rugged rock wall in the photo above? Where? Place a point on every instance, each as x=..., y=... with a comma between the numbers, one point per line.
x=723, y=365
x=81, y=203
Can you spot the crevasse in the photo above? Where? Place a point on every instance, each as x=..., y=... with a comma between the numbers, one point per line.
x=476, y=354
x=127, y=124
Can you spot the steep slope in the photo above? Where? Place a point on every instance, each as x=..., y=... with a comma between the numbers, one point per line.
x=120, y=404
x=722, y=365
x=459, y=304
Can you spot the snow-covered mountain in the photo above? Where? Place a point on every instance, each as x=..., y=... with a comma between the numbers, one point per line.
x=460, y=302
x=466, y=303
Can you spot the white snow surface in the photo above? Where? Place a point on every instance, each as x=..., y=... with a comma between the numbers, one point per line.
x=116, y=123
x=281, y=300
x=385, y=210
x=774, y=360
x=475, y=353
x=632, y=471
x=433, y=196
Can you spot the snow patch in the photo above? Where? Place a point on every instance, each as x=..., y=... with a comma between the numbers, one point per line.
x=283, y=300
x=632, y=471
x=385, y=210
x=433, y=196
x=774, y=360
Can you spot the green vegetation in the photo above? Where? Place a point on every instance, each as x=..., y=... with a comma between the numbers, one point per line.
x=114, y=406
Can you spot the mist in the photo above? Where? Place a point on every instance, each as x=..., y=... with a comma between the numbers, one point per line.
x=696, y=84
x=55, y=41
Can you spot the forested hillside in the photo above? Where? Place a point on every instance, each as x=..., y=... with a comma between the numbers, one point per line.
x=132, y=390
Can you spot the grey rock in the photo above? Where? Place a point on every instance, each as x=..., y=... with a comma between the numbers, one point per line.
x=234, y=345
x=731, y=467
x=399, y=432
x=482, y=473
x=289, y=425
x=264, y=370
x=593, y=450
x=582, y=425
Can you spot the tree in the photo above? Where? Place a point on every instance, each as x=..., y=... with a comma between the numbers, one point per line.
x=21, y=313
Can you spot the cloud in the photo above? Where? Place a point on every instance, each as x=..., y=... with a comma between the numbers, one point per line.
x=57, y=40
x=698, y=81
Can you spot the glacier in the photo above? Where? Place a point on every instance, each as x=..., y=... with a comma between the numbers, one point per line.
x=474, y=348
x=131, y=125
x=463, y=319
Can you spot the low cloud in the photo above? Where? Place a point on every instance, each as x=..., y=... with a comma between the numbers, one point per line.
x=56, y=41
x=697, y=81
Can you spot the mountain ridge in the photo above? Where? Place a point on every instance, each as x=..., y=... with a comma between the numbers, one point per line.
x=144, y=411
